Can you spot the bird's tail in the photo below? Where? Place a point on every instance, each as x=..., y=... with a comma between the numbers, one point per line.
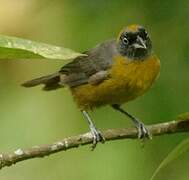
x=50, y=82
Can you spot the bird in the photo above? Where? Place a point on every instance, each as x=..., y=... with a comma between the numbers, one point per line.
x=112, y=73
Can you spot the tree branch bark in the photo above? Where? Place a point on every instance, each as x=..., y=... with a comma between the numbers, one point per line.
x=171, y=127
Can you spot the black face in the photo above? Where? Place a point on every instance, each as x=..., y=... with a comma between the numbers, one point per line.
x=135, y=44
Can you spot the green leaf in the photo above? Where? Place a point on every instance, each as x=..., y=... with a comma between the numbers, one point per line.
x=183, y=116
x=174, y=154
x=17, y=48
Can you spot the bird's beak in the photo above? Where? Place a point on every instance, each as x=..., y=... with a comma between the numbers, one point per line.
x=140, y=44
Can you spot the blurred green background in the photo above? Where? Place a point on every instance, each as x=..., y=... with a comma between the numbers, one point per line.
x=30, y=117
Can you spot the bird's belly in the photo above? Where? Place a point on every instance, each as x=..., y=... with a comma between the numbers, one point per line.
x=126, y=82
x=109, y=92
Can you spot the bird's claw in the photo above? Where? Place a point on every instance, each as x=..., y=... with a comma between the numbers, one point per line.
x=143, y=132
x=97, y=137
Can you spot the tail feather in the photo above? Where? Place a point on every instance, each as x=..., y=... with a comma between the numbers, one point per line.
x=51, y=82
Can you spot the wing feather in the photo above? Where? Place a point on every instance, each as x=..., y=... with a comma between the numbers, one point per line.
x=92, y=68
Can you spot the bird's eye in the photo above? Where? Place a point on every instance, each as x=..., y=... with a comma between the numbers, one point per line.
x=144, y=34
x=125, y=41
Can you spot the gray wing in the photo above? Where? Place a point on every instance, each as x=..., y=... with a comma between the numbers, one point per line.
x=92, y=68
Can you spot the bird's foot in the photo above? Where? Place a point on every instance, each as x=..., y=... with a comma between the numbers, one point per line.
x=97, y=137
x=143, y=132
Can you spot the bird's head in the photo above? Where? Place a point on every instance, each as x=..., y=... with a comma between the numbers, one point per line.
x=134, y=42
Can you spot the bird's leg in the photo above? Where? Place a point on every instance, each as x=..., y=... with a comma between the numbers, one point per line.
x=142, y=130
x=97, y=136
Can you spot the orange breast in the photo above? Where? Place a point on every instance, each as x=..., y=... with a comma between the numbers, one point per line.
x=127, y=80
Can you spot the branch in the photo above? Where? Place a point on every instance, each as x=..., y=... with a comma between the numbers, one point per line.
x=8, y=159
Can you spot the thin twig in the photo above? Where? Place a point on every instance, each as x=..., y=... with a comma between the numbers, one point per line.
x=171, y=127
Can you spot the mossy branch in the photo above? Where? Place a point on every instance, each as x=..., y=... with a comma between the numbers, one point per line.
x=171, y=127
